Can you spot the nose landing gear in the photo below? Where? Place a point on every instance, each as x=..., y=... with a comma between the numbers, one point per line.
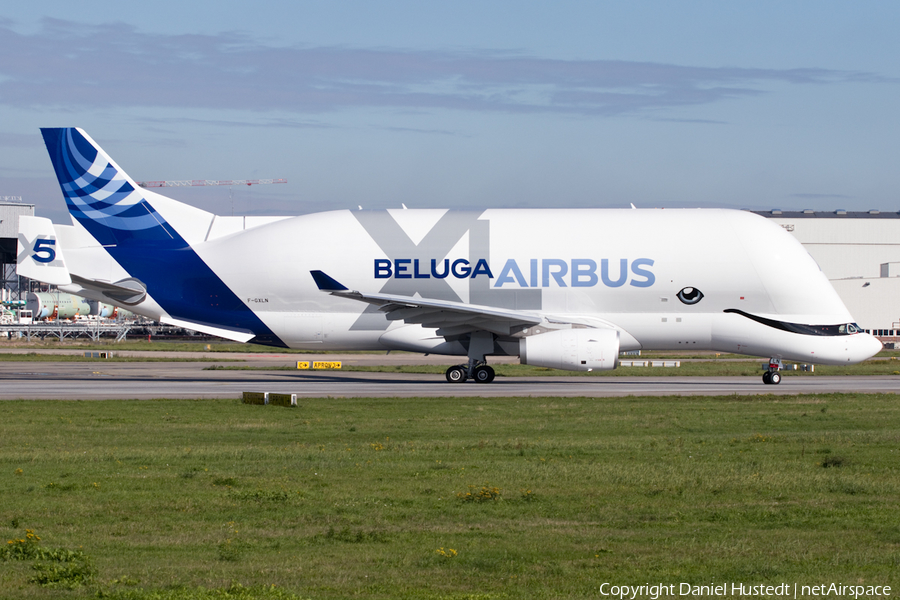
x=772, y=376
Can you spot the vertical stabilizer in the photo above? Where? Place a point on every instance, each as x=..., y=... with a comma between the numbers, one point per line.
x=39, y=255
x=150, y=237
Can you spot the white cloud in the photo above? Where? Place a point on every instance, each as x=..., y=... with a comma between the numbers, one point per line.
x=116, y=65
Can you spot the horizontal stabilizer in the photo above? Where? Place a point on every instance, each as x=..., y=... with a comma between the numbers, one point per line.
x=237, y=335
x=127, y=291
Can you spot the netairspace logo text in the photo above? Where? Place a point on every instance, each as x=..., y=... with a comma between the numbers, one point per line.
x=735, y=590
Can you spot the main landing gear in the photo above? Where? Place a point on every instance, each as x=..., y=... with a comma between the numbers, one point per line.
x=772, y=376
x=481, y=343
x=478, y=371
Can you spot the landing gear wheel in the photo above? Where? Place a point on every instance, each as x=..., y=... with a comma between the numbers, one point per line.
x=456, y=374
x=484, y=374
x=772, y=376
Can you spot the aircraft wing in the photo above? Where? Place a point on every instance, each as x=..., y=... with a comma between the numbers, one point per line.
x=449, y=318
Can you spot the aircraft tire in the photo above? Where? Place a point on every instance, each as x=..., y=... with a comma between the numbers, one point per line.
x=484, y=374
x=767, y=377
x=456, y=374
x=775, y=378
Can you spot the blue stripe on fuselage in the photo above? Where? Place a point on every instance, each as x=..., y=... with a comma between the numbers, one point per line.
x=178, y=279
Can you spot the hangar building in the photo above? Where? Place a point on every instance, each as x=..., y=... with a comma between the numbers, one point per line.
x=11, y=208
x=859, y=252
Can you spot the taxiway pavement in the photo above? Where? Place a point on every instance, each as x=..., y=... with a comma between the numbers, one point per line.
x=100, y=379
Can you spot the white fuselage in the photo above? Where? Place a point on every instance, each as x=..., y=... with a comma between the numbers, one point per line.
x=601, y=268
x=622, y=268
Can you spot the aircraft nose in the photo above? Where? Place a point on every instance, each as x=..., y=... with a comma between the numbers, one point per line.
x=865, y=347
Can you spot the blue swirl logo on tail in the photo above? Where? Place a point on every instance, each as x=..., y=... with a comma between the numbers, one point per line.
x=102, y=197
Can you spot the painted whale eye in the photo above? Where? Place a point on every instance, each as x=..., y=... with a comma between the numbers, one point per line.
x=690, y=295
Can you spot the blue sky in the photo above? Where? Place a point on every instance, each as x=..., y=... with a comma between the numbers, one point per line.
x=468, y=104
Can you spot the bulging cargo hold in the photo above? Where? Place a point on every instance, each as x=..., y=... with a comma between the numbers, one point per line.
x=562, y=288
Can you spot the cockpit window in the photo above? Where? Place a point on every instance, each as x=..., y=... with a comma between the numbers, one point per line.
x=845, y=329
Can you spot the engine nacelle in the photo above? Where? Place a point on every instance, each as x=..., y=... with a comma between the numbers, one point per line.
x=572, y=349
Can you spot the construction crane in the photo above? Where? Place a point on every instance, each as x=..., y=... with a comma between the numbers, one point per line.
x=199, y=182
x=195, y=182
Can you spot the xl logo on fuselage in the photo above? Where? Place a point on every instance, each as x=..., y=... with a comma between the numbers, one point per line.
x=426, y=268
x=438, y=243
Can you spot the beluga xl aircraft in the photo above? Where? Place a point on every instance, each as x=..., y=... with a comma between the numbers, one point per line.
x=560, y=288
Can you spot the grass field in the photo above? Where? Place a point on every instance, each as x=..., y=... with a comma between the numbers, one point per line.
x=445, y=498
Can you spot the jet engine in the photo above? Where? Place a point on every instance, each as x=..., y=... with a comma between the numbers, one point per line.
x=572, y=349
